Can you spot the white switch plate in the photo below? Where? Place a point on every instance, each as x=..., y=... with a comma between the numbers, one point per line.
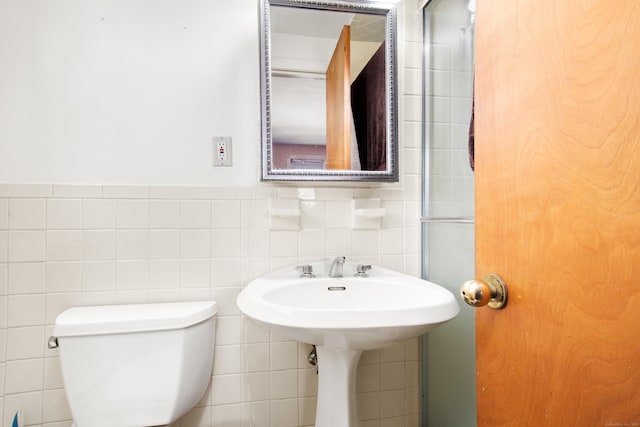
x=222, y=151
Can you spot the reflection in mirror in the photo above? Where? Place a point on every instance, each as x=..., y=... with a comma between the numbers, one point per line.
x=328, y=91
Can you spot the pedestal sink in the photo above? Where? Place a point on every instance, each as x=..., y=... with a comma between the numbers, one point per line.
x=343, y=316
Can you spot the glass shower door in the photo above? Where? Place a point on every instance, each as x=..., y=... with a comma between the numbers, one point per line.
x=447, y=209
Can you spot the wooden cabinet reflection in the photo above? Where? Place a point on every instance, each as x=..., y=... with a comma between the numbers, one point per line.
x=356, y=128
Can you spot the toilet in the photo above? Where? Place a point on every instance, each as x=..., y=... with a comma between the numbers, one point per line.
x=135, y=365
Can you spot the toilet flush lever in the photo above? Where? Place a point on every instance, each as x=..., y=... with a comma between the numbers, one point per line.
x=490, y=291
x=52, y=342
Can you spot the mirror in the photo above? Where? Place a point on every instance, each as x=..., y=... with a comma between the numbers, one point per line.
x=329, y=102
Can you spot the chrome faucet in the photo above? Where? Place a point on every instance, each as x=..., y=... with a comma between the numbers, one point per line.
x=336, y=267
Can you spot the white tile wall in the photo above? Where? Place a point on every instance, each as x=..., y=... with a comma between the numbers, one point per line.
x=449, y=112
x=103, y=250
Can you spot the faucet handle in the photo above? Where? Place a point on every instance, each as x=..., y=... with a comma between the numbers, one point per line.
x=306, y=269
x=361, y=270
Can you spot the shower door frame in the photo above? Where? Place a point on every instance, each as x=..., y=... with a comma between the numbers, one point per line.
x=426, y=219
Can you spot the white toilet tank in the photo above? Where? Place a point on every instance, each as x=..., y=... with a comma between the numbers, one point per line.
x=135, y=365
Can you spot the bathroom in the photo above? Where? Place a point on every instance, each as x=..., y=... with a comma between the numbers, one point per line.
x=108, y=195
x=111, y=198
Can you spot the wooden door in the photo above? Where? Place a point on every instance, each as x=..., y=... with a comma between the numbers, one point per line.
x=338, y=152
x=558, y=211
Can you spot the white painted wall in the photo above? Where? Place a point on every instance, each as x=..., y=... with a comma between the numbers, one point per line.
x=115, y=92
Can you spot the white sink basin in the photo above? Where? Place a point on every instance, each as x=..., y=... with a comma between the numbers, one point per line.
x=360, y=313
x=342, y=317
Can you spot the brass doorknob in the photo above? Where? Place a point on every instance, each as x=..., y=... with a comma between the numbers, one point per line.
x=491, y=291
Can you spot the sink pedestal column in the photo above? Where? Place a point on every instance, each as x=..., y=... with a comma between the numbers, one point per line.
x=337, y=404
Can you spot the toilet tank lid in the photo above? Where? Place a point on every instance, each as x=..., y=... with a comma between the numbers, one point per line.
x=112, y=319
